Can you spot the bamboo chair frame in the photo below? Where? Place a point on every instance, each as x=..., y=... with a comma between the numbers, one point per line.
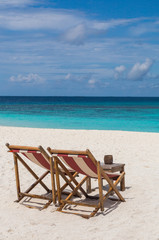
x=20, y=195
x=101, y=175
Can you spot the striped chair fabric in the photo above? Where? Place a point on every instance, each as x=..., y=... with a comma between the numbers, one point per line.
x=81, y=164
x=35, y=156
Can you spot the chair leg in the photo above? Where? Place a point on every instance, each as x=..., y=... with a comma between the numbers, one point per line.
x=17, y=177
x=57, y=181
x=53, y=181
x=88, y=185
x=122, y=183
x=100, y=186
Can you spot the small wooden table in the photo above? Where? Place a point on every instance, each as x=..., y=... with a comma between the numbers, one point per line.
x=114, y=167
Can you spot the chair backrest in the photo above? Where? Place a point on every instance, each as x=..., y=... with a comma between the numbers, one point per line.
x=36, y=155
x=80, y=161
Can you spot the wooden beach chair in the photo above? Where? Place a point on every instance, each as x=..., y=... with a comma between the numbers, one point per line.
x=40, y=157
x=84, y=162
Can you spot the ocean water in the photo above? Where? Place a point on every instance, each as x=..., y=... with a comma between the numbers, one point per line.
x=101, y=113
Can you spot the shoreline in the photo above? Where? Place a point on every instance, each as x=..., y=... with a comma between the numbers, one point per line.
x=70, y=129
x=137, y=218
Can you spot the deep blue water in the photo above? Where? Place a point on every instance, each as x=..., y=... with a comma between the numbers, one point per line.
x=105, y=113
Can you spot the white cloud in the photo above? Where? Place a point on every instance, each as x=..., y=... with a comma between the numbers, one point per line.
x=112, y=23
x=68, y=76
x=73, y=26
x=139, y=70
x=30, y=78
x=77, y=76
x=55, y=19
x=92, y=81
x=119, y=70
x=80, y=31
x=75, y=35
x=15, y=3
x=38, y=19
x=146, y=27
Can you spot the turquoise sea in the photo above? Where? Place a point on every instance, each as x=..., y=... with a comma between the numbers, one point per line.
x=101, y=113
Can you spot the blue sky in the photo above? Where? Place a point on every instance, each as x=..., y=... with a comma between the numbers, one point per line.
x=79, y=48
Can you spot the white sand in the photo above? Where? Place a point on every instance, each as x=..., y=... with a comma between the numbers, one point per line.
x=137, y=218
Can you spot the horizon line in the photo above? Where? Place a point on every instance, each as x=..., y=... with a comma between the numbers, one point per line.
x=81, y=96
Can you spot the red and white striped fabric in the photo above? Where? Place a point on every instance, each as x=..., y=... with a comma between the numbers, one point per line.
x=34, y=156
x=80, y=163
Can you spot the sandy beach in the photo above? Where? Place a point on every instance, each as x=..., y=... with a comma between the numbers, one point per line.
x=137, y=218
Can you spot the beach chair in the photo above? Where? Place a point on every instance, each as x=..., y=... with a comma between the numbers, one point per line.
x=84, y=162
x=40, y=157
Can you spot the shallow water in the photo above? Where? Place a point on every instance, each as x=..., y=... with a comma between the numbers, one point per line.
x=101, y=113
